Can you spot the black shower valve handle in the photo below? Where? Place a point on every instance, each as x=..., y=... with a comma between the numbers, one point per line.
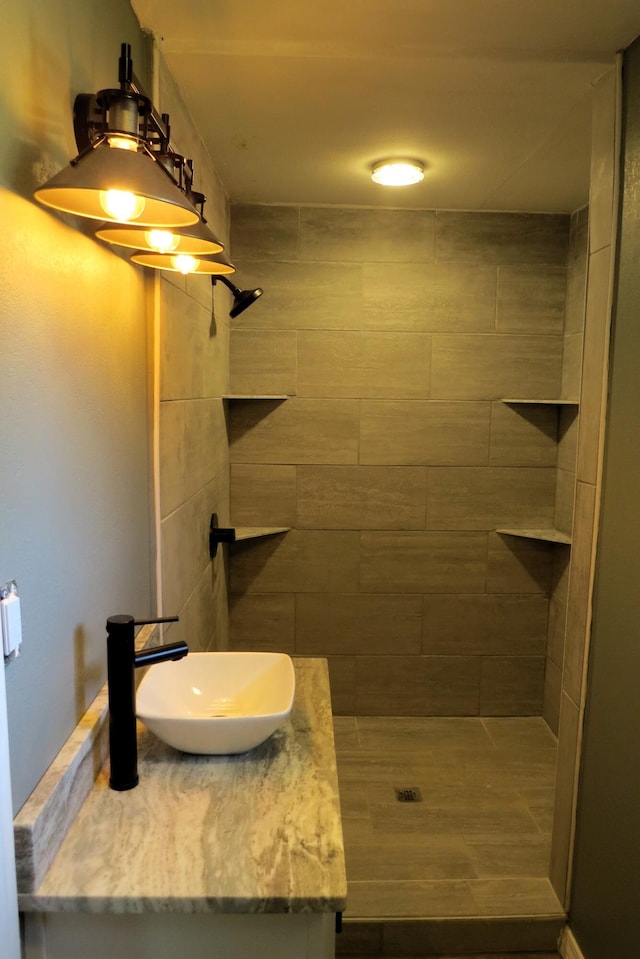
x=219, y=534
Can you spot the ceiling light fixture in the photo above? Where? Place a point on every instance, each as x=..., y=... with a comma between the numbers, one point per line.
x=125, y=169
x=397, y=172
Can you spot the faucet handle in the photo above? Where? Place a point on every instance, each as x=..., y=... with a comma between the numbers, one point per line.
x=219, y=534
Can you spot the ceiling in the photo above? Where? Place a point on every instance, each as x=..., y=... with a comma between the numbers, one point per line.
x=295, y=99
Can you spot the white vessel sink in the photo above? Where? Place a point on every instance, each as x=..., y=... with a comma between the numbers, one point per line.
x=217, y=703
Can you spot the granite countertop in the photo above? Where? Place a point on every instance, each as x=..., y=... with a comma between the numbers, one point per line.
x=255, y=833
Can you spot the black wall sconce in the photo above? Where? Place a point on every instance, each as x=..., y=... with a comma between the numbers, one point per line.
x=128, y=176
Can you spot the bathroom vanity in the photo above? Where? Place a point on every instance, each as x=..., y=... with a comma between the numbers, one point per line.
x=209, y=856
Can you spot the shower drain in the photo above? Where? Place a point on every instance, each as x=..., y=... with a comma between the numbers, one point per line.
x=408, y=794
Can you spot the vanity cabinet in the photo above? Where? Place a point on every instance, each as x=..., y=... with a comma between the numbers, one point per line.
x=178, y=936
x=209, y=857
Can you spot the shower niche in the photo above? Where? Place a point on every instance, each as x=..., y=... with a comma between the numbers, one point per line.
x=243, y=533
x=560, y=533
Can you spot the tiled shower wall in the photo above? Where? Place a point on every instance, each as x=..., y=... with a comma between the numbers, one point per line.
x=567, y=450
x=393, y=460
x=194, y=451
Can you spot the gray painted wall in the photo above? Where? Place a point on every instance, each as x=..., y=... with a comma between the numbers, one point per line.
x=604, y=907
x=74, y=475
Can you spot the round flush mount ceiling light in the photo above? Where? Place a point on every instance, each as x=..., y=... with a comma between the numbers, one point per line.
x=397, y=172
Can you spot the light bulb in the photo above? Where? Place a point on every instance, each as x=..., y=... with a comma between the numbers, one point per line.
x=185, y=263
x=123, y=143
x=163, y=241
x=121, y=205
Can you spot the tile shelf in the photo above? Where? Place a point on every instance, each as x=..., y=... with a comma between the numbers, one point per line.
x=546, y=535
x=516, y=401
x=256, y=396
x=255, y=532
x=542, y=535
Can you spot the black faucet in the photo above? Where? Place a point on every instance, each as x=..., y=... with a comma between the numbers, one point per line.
x=122, y=660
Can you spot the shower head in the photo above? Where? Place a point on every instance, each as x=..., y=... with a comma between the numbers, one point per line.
x=241, y=298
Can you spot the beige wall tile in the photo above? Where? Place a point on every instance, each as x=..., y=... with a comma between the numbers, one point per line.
x=429, y=562
x=577, y=273
x=203, y=617
x=263, y=495
x=523, y=435
x=601, y=200
x=572, y=366
x=556, y=631
x=576, y=296
x=580, y=585
x=568, y=438
x=429, y=297
x=512, y=685
x=342, y=680
x=596, y=337
x=487, y=366
x=502, y=238
x=361, y=497
x=578, y=234
x=518, y=565
x=173, y=446
x=490, y=625
x=531, y=299
x=483, y=498
x=185, y=541
x=207, y=447
x=263, y=361
x=184, y=323
x=565, y=495
x=568, y=746
x=366, y=235
x=422, y=432
x=364, y=364
x=300, y=561
x=214, y=348
x=447, y=937
x=306, y=296
x=561, y=565
x=299, y=430
x=360, y=939
x=263, y=232
x=552, y=693
x=336, y=624
x=417, y=685
x=262, y=621
x=379, y=415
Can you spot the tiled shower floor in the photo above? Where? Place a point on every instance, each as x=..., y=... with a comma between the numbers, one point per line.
x=478, y=843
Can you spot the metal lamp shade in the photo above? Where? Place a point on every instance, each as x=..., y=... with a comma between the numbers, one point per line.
x=77, y=188
x=196, y=240
x=215, y=265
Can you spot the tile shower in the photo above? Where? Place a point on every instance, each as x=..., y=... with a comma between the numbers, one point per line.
x=377, y=365
x=396, y=335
